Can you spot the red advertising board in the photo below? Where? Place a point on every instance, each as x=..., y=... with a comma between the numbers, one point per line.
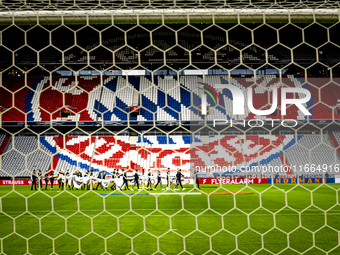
x=173, y=181
x=134, y=109
x=233, y=181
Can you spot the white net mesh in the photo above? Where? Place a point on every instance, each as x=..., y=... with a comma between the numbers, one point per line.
x=68, y=87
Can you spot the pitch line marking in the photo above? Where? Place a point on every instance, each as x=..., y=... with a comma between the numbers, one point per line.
x=179, y=193
x=52, y=215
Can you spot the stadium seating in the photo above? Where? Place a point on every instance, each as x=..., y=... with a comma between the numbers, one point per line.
x=161, y=99
x=174, y=151
x=22, y=149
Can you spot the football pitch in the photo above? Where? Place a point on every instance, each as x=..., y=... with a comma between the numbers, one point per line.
x=283, y=218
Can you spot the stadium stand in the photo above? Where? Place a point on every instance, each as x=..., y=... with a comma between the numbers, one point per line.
x=103, y=85
x=160, y=99
x=15, y=152
x=176, y=151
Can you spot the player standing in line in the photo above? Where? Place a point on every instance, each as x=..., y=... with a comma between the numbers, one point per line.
x=102, y=176
x=159, y=179
x=46, y=179
x=136, y=179
x=63, y=180
x=125, y=180
x=67, y=180
x=75, y=173
x=80, y=174
x=34, y=180
x=113, y=187
x=52, y=178
x=120, y=175
x=40, y=180
x=149, y=180
x=86, y=174
x=90, y=183
x=179, y=179
x=60, y=177
x=105, y=173
x=168, y=178
x=196, y=179
x=99, y=181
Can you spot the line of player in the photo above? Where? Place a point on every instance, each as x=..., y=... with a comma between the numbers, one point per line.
x=92, y=180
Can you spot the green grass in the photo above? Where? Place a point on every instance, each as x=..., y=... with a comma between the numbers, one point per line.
x=283, y=218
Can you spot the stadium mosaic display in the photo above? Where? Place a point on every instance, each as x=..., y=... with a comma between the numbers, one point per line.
x=102, y=85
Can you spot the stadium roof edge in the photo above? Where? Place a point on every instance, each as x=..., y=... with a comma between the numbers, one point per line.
x=172, y=15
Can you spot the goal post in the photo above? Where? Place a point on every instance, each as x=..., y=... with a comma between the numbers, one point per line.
x=180, y=16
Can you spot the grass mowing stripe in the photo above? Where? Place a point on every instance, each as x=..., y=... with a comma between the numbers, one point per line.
x=133, y=215
x=240, y=215
x=181, y=193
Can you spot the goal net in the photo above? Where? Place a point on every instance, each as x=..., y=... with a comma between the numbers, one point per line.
x=242, y=97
